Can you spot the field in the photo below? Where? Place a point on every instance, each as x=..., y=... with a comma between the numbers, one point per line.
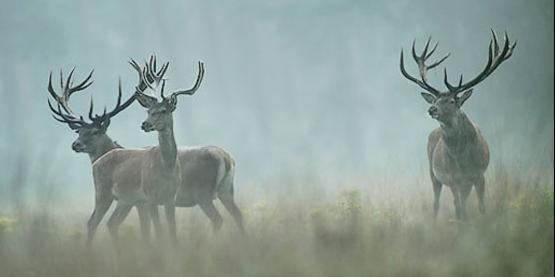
x=382, y=229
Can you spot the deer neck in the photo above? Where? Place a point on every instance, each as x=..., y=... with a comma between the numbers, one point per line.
x=458, y=132
x=104, y=145
x=168, y=148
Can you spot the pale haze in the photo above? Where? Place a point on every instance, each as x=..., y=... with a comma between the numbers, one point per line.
x=304, y=90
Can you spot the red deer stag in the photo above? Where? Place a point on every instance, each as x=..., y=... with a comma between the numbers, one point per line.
x=205, y=172
x=458, y=153
x=118, y=178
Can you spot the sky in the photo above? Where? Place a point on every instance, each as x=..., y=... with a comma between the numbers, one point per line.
x=294, y=90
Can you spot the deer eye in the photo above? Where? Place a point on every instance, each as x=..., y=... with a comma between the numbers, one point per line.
x=452, y=101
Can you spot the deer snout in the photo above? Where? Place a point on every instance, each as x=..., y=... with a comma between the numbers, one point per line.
x=77, y=146
x=146, y=126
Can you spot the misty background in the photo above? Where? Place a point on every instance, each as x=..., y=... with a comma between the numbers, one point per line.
x=295, y=90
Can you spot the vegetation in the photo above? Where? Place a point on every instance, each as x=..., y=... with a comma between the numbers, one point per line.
x=370, y=230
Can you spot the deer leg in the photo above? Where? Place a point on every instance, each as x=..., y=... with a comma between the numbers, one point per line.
x=117, y=217
x=101, y=206
x=229, y=204
x=480, y=191
x=464, y=192
x=170, y=218
x=144, y=219
x=156, y=220
x=456, y=200
x=210, y=210
x=437, y=192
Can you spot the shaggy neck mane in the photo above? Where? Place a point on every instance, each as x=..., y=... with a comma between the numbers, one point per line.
x=458, y=132
x=105, y=145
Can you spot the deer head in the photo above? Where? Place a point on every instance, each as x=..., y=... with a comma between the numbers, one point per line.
x=446, y=104
x=159, y=113
x=92, y=132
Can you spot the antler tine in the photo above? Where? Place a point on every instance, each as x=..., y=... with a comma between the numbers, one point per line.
x=425, y=51
x=146, y=79
x=156, y=75
x=142, y=82
x=163, y=70
x=55, y=111
x=446, y=81
x=496, y=56
x=135, y=65
x=422, y=67
x=73, y=122
x=147, y=73
x=91, y=108
x=432, y=51
x=438, y=62
x=162, y=90
x=495, y=43
x=65, y=119
x=68, y=90
x=192, y=90
x=151, y=61
x=119, y=107
x=54, y=94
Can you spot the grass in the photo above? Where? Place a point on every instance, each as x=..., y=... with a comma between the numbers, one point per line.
x=379, y=230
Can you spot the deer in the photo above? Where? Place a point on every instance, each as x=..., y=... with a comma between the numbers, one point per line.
x=458, y=154
x=115, y=169
x=205, y=172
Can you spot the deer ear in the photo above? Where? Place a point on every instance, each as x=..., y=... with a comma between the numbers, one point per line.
x=145, y=100
x=461, y=99
x=430, y=98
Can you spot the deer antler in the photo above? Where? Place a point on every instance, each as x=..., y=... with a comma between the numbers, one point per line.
x=192, y=90
x=63, y=113
x=495, y=58
x=150, y=77
x=423, y=68
x=149, y=74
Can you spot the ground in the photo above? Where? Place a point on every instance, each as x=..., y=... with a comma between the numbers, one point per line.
x=363, y=230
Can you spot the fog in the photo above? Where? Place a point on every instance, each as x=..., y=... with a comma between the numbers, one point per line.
x=293, y=89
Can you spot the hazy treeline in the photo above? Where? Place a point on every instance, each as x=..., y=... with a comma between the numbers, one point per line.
x=293, y=89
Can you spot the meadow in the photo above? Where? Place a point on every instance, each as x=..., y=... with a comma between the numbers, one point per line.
x=383, y=229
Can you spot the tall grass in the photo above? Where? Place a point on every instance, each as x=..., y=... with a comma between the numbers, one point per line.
x=377, y=230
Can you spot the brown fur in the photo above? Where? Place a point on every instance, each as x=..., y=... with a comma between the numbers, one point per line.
x=199, y=170
x=458, y=157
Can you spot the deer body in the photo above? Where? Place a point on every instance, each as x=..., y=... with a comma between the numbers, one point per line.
x=458, y=151
x=458, y=157
x=118, y=174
